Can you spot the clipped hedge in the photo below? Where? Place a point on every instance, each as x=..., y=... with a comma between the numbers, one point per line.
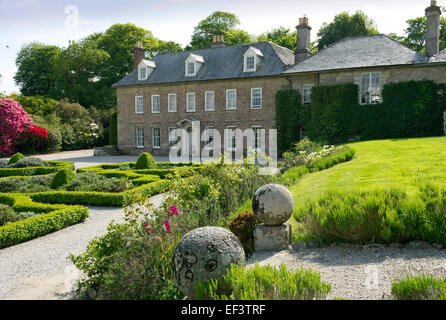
x=16, y=157
x=37, y=171
x=53, y=218
x=145, y=161
x=102, y=199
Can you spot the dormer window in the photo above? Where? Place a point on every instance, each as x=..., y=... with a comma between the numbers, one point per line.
x=145, y=69
x=252, y=59
x=193, y=64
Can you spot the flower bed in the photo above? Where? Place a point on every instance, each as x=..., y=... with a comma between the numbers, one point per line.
x=53, y=167
x=51, y=218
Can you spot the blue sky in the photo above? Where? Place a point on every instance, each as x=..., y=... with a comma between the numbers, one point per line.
x=54, y=22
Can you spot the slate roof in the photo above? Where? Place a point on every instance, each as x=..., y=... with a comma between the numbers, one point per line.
x=359, y=52
x=219, y=63
x=440, y=57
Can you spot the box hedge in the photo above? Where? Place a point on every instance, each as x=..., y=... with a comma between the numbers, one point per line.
x=53, y=167
x=53, y=218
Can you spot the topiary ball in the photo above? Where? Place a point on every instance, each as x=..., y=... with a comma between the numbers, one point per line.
x=16, y=157
x=145, y=161
x=204, y=254
x=273, y=204
x=62, y=177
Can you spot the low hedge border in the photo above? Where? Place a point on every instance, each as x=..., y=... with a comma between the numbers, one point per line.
x=36, y=171
x=53, y=218
x=103, y=199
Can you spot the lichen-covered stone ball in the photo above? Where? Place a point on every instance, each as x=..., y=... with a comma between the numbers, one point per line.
x=205, y=254
x=273, y=204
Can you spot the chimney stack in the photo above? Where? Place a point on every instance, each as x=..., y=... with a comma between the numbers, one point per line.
x=303, y=40
x=218, y=42
x=433, y=14
x=139, y=53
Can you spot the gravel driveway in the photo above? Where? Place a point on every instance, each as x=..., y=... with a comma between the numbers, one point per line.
x=359, y=274
x=39, y=269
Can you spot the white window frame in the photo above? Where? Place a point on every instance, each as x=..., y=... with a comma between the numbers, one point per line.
x=172, y=142
x=153, y=138
x=246, y=67
x=136, y=105
x=138, y=137
x=257, y=107
x=231, y=138
x=146, y=75
x=207, y=130
x=188, y=73
x=361, y=91
x=307, y=87
x=159, y=103
x=188, y=95
x=169, y=102
x=206, y=101
x=253, y=138
x=227, y=99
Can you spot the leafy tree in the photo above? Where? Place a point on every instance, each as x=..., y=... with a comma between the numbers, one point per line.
x=281, y=36
x=35, y=69
x=415, y=37
x=218, y=23
x=345, y=25
x=37, y=105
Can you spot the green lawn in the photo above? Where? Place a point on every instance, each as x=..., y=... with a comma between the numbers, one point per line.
x=403, y=163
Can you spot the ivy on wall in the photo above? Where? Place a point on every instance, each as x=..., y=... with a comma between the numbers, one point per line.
x=409, y=109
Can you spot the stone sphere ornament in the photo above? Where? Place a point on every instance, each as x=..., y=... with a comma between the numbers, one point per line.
x=273, y=204
x=204, y=254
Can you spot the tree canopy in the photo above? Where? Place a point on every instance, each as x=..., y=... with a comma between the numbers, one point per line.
x=281, y=36
x=218, y=23
x=345, y=25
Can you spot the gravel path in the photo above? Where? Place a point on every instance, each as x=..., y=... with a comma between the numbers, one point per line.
x=359, y=274
x=39, y=269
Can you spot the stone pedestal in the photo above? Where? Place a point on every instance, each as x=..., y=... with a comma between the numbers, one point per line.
x=272, y=238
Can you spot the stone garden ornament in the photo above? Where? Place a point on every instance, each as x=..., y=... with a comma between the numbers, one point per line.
x=204, y=254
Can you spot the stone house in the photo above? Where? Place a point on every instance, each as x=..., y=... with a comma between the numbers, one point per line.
x=224, y=88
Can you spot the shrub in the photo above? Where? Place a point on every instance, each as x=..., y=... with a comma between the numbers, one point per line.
x=243, y=227
x=338, y=156
x=29, y=162
x=94, y=182
x=44, y=168
x=293, y=174
x=3, y=163
x=62, y=178
x=33, y=139
x=145, y=161
x=7, y=214
x=268, y=283
x=13, y=120
x=26, y=184
x=422, y=287
x=16, y=157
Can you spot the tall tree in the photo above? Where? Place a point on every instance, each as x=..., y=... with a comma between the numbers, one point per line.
x=281, y=36
x=345, y=25
x=35, y=69
x=415, y=37
x=218, y=23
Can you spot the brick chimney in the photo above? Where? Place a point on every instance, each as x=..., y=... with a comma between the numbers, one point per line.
x=218, y=42
x=303, y=40
x=433, y=14
x=139, y=54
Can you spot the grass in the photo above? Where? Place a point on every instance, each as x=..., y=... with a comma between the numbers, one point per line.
x=400, y=163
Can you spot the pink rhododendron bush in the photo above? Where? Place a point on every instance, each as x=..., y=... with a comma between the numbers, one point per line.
x=13, y=122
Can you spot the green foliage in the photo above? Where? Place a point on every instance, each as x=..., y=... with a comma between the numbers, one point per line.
x=293, y=174
x=409, y=109
x=382, y=216
x=291, y=115
x=29, y=163
x=53, y=218
x=345, y=25
x=218, y=23
x=15, y=158
x=36, y=105
x=334, y=112
x=7, y=214
x=281, y=36
x=243, y=226
x=52, y=167
x=26, y=184
x=268, y=283
x=114, y=129
x=423, y=287
x=145, y=161
x=340, y=155
x=63, y=177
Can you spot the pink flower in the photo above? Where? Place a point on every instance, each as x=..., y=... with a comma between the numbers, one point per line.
x=148, y=228
x=167, y=226
x=173, y=211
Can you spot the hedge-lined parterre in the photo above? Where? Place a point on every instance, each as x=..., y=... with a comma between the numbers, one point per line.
x=52, y=218
x=53, y=167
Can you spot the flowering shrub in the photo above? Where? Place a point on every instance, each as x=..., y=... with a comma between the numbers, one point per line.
x=13, y=121
x=33, y=138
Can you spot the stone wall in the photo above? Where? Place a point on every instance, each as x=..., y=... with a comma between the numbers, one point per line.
x=242, y=118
